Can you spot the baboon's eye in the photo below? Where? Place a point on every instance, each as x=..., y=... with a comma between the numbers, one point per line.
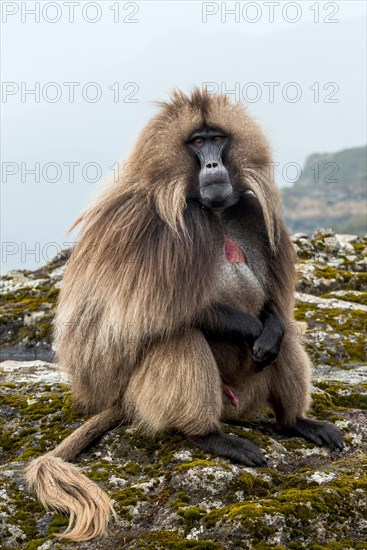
x=198, y=142
x=218, y=139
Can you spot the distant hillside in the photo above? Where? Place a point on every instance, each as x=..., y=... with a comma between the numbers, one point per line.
x=331, y=192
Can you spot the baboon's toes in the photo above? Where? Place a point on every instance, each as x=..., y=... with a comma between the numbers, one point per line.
x=321, y=433
x=232, y=447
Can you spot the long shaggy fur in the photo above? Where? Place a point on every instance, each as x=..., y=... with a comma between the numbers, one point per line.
x=147, y=251
x=61, y=486
x=145, y=268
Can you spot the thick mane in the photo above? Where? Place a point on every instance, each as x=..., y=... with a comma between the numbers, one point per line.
x=249, y=156
x=170, y=129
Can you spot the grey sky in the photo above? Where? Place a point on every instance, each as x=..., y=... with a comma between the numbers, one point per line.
x=169, y=45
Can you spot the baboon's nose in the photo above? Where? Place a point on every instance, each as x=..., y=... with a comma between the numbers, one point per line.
x=213, y=172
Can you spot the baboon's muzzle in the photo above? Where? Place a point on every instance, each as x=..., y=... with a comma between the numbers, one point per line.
x=216, y=195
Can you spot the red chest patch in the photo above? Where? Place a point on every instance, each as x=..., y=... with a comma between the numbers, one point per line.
x=234, y=254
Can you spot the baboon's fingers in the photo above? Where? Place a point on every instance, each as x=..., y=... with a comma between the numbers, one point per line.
x=265, y=350
x=263, y=357
x=237, y=449
x=321, y=433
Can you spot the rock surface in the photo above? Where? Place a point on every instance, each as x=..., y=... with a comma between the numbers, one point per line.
x=169, y=495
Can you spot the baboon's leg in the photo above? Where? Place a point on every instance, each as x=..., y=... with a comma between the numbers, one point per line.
x=290, y=380
x=178, y=385
x=290, y=394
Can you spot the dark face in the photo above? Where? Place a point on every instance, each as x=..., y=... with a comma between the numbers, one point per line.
x=215, y=190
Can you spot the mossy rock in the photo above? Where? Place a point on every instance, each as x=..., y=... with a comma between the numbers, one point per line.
x=169, y=495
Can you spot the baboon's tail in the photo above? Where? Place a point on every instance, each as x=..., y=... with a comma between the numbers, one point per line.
x=61, y=486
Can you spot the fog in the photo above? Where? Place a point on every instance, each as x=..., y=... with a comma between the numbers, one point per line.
x=300, y=69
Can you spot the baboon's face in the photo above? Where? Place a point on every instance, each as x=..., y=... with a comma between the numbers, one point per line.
x=213, y=186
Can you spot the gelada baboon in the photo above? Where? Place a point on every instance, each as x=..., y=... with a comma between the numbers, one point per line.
x=177, y=296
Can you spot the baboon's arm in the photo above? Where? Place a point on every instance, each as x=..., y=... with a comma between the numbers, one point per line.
x=222, y=322
x=263, y=336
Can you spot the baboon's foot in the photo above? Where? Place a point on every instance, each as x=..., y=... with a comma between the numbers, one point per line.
x=321, y=433
x=237, y=449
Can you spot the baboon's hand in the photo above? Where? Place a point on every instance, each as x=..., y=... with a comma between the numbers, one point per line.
x=253, y=329
x=235, y=448
x=266, y=348
x=265, y=351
